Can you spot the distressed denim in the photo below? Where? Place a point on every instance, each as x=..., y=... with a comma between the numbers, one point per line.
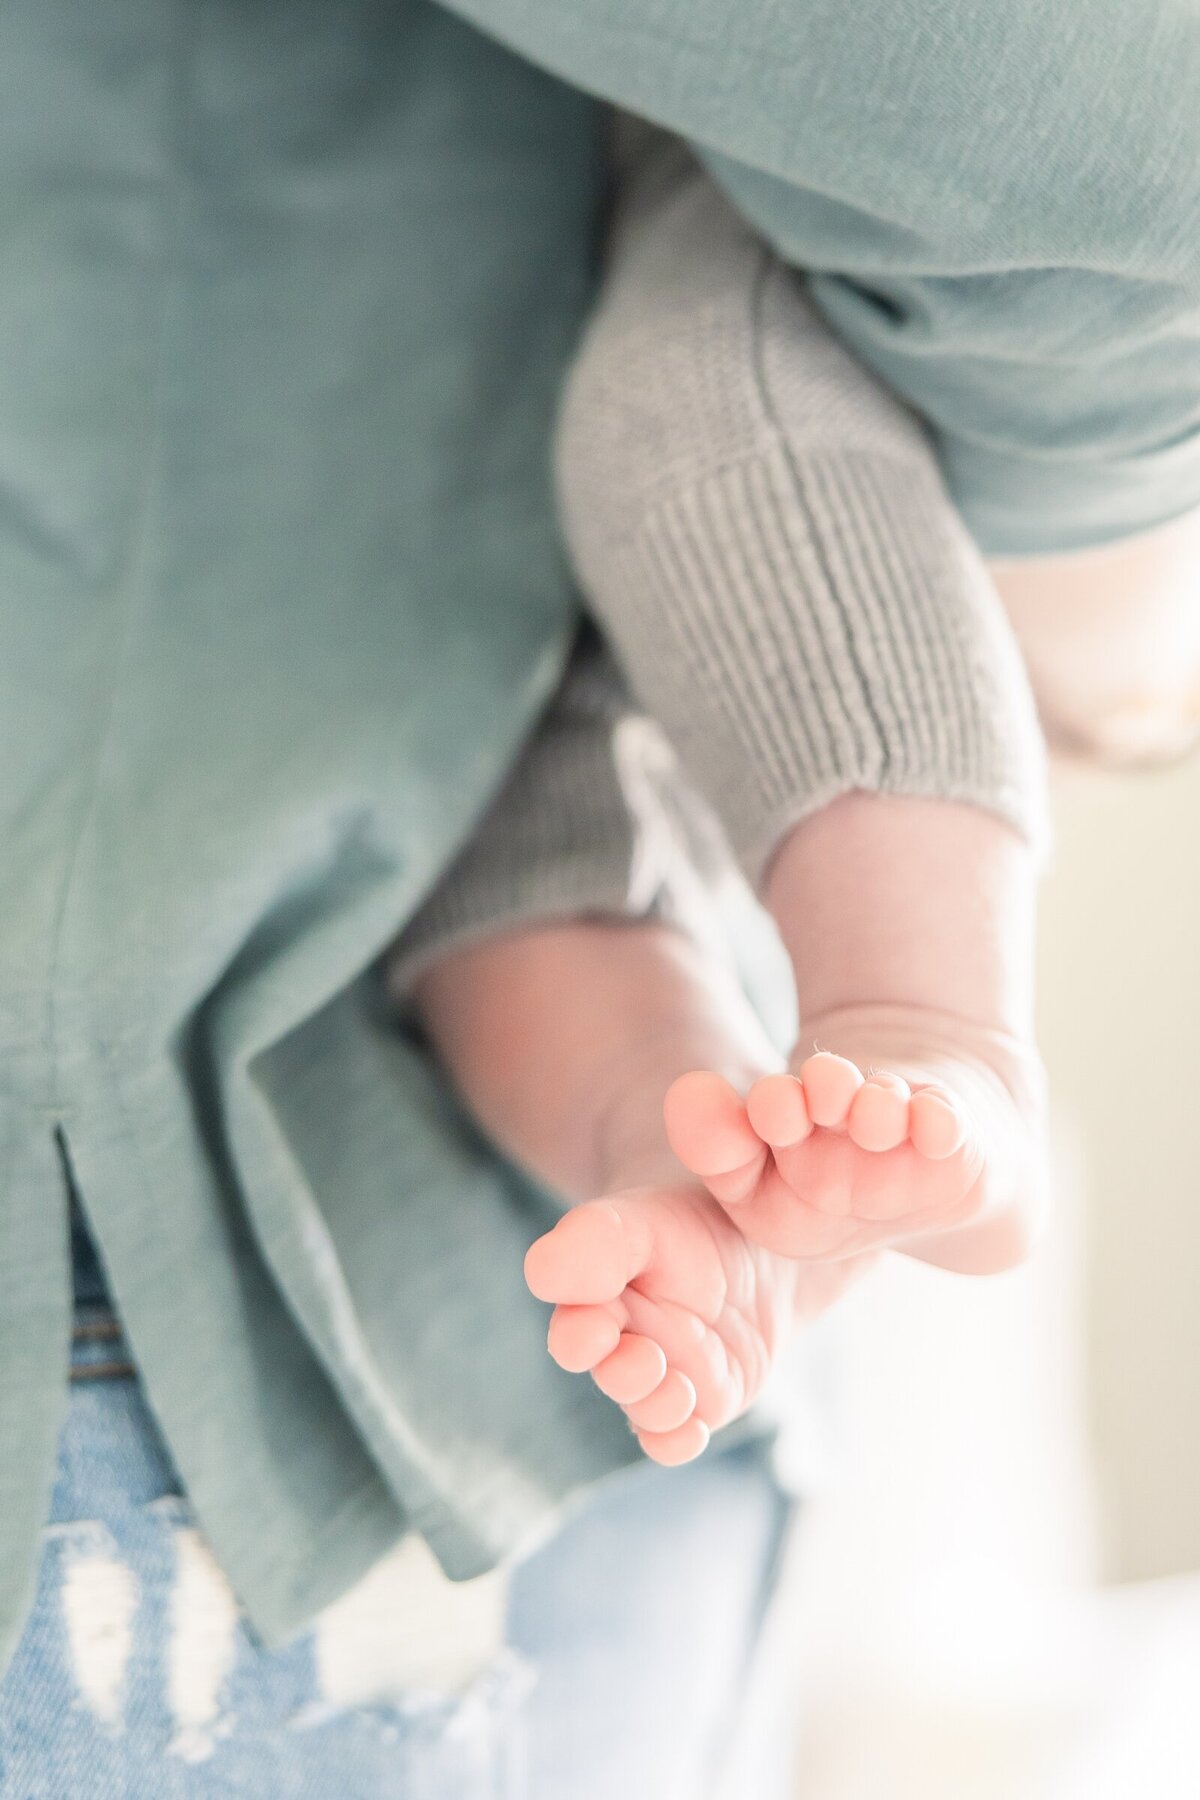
x=628, y=1638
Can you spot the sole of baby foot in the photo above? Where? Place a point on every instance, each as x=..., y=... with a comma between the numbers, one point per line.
x=676, y=1316
x=845, y=1156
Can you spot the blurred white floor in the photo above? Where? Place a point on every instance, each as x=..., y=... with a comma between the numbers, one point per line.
x=1089, y=1698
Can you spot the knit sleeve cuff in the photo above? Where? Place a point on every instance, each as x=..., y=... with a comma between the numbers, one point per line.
x=807, y=625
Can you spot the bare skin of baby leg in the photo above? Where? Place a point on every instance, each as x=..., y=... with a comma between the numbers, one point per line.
x=563, y=1041
x=1111, y=638
x=911, y=1117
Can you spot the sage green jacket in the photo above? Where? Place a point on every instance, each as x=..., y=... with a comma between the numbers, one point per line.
x=285, y=295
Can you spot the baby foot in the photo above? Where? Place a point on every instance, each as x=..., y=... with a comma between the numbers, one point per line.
x=831, y=1161
x=677, y=1316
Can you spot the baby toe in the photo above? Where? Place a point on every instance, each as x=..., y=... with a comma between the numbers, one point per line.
x=936, y=1125
x=830, y=1084
x=582, y=1336
x=777, y=1110
x=706, y=1121
x=634, y=1370
x=670, y=1405
x=587, y=1258
x=879, y=1113
x=682, y=1445
x=709, y=1132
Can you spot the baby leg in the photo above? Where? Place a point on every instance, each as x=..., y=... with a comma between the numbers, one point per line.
x=763, y=532
x=562, y=1040
x=913, y=1113
x=1111, y=637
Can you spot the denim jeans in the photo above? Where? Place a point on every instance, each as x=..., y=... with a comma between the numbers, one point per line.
x=629, y=1641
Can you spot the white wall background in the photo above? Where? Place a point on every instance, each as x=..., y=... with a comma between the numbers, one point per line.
x=971, y=1617
x=1120, y=980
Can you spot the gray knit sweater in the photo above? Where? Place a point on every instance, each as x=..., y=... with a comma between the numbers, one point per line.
x=762, y=534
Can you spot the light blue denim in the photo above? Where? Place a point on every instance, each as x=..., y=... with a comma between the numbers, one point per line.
x=629, y=1643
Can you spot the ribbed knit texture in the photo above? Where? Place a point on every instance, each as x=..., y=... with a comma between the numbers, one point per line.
x=767, y=544
x=763, y=534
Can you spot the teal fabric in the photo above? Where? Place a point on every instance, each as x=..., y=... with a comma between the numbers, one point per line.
x=996, y=205
x=285, y=294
